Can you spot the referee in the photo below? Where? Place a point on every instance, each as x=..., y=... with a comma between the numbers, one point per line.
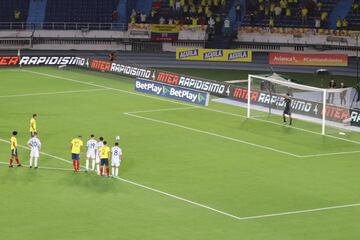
x=287, y=110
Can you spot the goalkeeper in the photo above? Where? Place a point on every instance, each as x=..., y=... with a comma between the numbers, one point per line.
x=287, y=110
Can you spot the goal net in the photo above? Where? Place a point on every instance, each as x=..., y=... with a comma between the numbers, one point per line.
x=327, y=107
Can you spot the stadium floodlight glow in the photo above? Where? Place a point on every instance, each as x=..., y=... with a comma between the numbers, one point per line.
x=308, y=103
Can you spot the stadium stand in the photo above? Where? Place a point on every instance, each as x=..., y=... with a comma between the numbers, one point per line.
x=14, y=11
x=289, y=13
x=256, y=13
x=191, y=12
x=80, y=11
x=353, y=17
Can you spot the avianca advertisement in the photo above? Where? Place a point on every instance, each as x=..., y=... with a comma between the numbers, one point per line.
x=308, y=59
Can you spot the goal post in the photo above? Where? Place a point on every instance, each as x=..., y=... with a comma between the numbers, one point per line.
x=308, y=103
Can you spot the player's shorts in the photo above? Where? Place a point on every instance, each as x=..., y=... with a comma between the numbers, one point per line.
x=104, y=161
x=75, y=156
x=287, y=111
x=14, y=152
x=34, y=153
x=91, y=154
x=115, y=162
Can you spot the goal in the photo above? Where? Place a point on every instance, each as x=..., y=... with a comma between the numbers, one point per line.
x=318, y=105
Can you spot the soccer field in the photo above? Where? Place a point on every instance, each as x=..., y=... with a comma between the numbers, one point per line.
x=188, y=172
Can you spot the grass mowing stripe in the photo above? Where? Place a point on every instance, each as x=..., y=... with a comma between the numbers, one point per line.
x=46, y=154
x=162, y=110
x=110, y=88
x=144, y=186
x=280, y=124
x=185, y=104
x=214, y=134
x=46, y=168
x=202, y=205
x=52, y=93
x=208, y=109
x=185, y=108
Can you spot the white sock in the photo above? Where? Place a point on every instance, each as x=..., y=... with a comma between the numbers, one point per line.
x=93, y=165
x=116, y=171
x=36, y=162
x=98, y=169
x=31, y=161
x=87, y=164
x=112, y=171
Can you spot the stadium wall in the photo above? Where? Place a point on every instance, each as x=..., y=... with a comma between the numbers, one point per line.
x=260, y=61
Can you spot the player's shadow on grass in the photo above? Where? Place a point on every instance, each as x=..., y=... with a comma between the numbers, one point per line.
x=18, y=175
x=91, y=182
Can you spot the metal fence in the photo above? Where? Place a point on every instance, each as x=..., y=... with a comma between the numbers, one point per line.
x=62, y=26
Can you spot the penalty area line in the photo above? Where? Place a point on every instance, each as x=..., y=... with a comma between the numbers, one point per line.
x=301, y=211
x=40, y=168
x=329, y=154
x=161, y=110
x=133, y=114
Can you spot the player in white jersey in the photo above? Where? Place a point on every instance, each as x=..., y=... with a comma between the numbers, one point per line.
x=97, y=157
x=35, y=146
x=116, y=155
x=91, y=151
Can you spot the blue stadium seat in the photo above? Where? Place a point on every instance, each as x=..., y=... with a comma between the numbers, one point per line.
x=7, y=8
x=90, y=11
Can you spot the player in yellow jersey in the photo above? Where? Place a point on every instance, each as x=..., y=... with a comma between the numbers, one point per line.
x=104, y=152
x=33, y=125
x=14, y=152
x=75, y=147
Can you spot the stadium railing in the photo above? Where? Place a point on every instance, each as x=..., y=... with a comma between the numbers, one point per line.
x=63, y=26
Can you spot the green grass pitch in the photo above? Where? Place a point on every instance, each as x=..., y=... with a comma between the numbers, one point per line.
x=188, y=173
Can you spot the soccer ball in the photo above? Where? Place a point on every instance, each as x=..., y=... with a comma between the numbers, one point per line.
x=117, y=138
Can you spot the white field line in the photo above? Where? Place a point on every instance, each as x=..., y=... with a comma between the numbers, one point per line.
x=191, y=106
x=301, y=211
x=191, y=202
x=329, y=154
x=207, y=207
x=214, y=134
x=51, y=93
x=185, y=108
x=162, y=110
x=185, y=104
x=281, y=124
x=308, y=131
x=46, y=168
x=105, y=87
x=43, y=153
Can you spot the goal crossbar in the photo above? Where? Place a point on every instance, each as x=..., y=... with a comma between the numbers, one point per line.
x=292, y=85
